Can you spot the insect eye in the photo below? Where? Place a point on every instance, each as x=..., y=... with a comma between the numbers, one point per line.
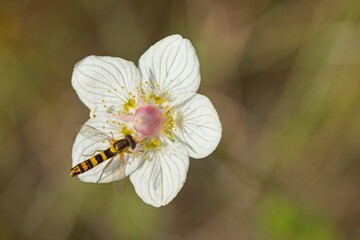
x=131, y=141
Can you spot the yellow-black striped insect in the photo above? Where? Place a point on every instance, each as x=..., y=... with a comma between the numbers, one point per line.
x=117, y=149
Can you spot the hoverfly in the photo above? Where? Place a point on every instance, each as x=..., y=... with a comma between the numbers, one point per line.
x=117, y=148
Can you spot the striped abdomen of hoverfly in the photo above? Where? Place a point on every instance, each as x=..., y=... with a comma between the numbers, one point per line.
x=118, y=147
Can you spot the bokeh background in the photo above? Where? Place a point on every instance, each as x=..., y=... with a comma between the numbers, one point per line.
x=283, y=75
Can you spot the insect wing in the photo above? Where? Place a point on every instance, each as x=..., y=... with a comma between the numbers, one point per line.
x=93, y=133
x=121, y=184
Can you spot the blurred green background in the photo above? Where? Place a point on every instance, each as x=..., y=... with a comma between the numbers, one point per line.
x=283, y=75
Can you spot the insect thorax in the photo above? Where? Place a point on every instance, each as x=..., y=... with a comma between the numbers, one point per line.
x=121, y=145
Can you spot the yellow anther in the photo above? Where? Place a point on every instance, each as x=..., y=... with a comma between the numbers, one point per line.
x=159, y=100
x=169, y=135
x=153, y=144
x=126, y=131
x=130, y=104
x=168, y=124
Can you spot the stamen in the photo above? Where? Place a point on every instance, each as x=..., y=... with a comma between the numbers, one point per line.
x=168, y=124
x=126, y=131
x=129, y=104
x=153, y=144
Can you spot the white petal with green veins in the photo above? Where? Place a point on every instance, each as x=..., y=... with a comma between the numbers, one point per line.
x=105, y=81
x=159, y=179
x=171, y=67
x=198, y=125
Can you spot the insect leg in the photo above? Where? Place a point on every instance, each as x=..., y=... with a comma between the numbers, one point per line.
x=106, y=166
x=92, y=154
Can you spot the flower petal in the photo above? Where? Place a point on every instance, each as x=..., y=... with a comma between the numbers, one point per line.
x=159, y=179
x=105, y=80
x=170, y=66
x=86, y=146
x=198, y=125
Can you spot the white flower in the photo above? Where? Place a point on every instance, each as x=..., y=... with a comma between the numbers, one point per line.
x=158, y=105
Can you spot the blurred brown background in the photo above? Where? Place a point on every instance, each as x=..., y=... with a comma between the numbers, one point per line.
x=283, y=75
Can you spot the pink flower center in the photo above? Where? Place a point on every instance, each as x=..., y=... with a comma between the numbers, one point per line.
x=148, y=120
